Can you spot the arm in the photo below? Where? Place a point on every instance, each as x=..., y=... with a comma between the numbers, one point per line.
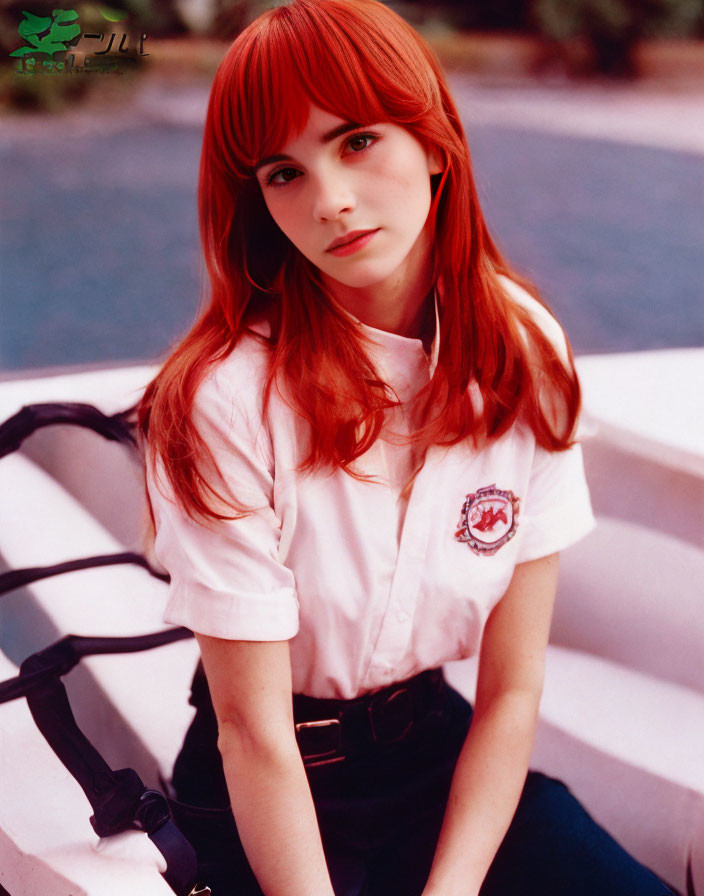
x=250, y=685
x=493, y=763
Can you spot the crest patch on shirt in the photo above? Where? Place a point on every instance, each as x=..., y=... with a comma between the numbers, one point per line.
x=488, y=519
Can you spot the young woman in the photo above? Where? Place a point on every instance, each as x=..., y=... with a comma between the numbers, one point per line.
x=362, y=465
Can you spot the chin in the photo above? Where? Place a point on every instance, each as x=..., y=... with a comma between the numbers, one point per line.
x=361, y=276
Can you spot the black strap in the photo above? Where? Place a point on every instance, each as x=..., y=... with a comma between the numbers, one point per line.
x=119, y=799
x=116, y=427
x=61, y=657
x=17, y=578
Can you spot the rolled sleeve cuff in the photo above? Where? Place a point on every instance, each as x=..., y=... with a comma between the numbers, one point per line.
x=555, y=530
x=233, y=616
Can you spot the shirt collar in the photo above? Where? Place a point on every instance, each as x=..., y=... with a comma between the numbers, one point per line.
x=395, y=351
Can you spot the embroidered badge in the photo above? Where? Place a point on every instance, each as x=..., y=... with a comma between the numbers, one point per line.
x=488, y=520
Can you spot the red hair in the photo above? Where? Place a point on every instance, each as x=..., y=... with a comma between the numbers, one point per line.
x=359, y=61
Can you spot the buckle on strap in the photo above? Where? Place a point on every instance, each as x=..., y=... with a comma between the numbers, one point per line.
x=391, y=716
x=320, y=742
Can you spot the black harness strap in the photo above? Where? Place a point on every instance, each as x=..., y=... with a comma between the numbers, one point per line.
x=119, y=799
x=115, y=428
x=17, y=578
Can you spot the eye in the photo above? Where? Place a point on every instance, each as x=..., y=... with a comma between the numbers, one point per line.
x=360, y=142
x=286, y=175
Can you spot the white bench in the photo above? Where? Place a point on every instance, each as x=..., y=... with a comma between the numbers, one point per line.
x=622, y=720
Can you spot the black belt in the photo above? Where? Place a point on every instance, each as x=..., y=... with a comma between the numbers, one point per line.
x=330, y=731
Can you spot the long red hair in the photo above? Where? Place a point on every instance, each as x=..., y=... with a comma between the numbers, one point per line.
x=359, y=61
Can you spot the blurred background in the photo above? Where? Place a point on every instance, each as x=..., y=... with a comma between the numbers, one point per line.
x=585, y=119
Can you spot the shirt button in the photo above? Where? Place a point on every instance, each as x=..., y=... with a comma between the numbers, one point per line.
x=401, y=615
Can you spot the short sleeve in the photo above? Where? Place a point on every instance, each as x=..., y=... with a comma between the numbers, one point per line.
x=226, y=577
x=556, y=510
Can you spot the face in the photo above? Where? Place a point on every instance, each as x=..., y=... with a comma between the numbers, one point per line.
x=354, y=201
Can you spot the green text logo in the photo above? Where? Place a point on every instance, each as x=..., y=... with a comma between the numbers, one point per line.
x=81, y=52
x=48, y=35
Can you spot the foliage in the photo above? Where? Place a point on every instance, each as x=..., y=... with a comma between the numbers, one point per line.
x=612, y=27
x=477, y=15
x=40, y=94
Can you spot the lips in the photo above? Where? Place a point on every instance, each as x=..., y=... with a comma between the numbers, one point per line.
x=348, y=238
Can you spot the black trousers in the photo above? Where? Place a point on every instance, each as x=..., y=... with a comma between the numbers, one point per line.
x=380, y=818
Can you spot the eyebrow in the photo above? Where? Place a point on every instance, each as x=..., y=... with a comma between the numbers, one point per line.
x=327, y=137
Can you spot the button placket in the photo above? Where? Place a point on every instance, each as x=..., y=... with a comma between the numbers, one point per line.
x=397, y=624
x=403, y=364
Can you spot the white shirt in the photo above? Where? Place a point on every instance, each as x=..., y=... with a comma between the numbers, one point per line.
x=369, y=589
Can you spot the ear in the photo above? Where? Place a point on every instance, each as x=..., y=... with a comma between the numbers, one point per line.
x=436, y=163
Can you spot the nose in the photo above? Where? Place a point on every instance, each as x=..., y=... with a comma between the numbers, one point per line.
x=332, y=196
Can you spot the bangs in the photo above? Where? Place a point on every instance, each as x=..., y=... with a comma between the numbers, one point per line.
x=355, y=59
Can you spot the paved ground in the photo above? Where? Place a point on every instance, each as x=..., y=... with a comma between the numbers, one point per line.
x=597, y=193
x=637, y=115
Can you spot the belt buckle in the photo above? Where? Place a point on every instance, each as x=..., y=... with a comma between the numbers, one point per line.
x=402, y=694
x=324, y=757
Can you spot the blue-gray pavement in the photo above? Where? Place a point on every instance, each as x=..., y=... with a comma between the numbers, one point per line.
x=99, y=246
x=99, y=253
x=612, y=233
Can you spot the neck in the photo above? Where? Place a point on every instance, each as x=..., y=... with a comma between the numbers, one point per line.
x=402, y=304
